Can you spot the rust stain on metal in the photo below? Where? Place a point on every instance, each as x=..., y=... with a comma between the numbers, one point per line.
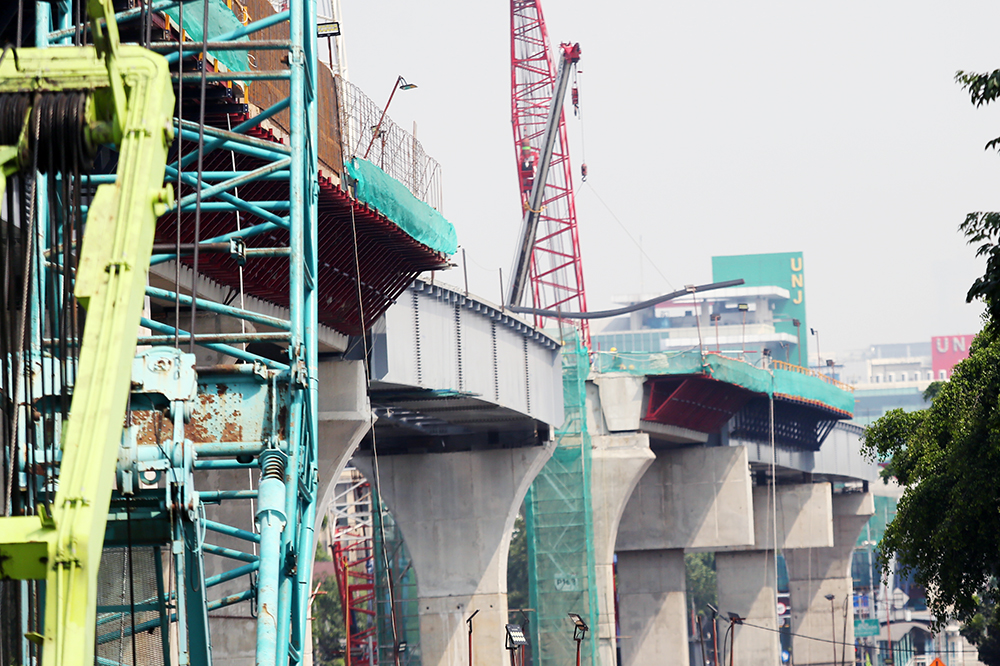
x=232, y=432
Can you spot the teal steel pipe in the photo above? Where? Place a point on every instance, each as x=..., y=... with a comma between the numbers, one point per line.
x=231, y=553
x=126, y=630
x=250, y=123
x=232, y=574
x=120, y=17
x=217, y=496
x=229, y=530
x=193, y=77
x=253, y=317
x=219, y=205
x=271, y=521
x=223, y=464
x=248, y=29
x=246, y=232
x=242, y=179
x=235, y=201
x=237, y=146
x=225, y=349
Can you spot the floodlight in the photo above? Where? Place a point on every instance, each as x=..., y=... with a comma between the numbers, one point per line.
x=743, y=307
x=515, y=637
x=715, y=611
x=328, y=29
x=796, y=323
x=828, y=597
x=578, y=621
x=403, y=85
x=735, y=618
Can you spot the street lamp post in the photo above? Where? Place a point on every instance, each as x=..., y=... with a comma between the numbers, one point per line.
x=580, y=629
x=400, y=84
x=469, y=622
x=798, y=334
x=819, y=358
x=715, y=634
x=743, y=307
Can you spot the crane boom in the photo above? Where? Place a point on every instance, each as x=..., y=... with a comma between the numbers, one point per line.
x=547, y=261
x=532, y=212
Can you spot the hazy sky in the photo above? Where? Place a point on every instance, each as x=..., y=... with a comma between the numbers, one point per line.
x=717, y=128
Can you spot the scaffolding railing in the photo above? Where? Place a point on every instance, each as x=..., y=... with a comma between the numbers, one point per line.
x=394, y=150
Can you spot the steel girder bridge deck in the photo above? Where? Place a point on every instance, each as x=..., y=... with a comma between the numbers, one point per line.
x=119, y=467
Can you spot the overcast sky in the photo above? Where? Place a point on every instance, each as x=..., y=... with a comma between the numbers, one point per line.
x=716, y=128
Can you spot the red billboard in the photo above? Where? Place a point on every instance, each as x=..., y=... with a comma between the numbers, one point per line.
x=946, y=351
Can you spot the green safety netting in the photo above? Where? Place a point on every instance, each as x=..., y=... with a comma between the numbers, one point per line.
x=221, y=20
x=391, y=198
x=812, y=388
x=559, y=530
x=797, y=384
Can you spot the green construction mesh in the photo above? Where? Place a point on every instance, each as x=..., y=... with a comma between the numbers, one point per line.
x=221, y=20
x=813, y=388
x=786, y=380
x=400, y=575
x=559, y=530
x=391, y=198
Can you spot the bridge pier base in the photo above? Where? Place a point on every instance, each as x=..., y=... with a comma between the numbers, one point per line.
x=618, y=462
x=456, y=512
x=814, y=573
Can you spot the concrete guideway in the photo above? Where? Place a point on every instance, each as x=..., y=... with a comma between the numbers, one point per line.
x=709, y=491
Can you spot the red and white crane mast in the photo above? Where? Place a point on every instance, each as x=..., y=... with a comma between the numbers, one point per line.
x=548, y=260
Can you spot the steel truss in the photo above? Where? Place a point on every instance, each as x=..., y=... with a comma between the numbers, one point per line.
x=179, y=484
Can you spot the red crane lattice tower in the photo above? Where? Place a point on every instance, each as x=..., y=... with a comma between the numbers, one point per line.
x=556, y=273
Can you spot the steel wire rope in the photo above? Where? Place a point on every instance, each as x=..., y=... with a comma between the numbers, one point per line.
x=841, y=642
x=243, y=322
x=30, y=233
x=377, y=504
x=180, y=174
x=201, y=168
x=629, y=234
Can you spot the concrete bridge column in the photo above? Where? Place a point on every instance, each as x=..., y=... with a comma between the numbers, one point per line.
x=456, y=512
x=747, y=587
x=816, y=572
x=652, y=595
x=699, y=497
x=618, y=462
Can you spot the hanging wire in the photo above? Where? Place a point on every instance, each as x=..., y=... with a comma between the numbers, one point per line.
x=201, y=166
x=377, y=504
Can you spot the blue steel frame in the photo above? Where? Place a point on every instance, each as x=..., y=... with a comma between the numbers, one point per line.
x=286, y=494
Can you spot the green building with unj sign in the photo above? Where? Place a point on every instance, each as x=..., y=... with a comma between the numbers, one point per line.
x=779, y=269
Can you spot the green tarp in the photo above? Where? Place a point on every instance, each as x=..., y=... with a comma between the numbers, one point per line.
x=391, y=198
x=221, y=20
x=804, y=386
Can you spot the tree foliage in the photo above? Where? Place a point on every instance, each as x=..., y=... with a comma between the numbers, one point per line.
x=328, y=631
x=947, y=457
x=983, y=630
x=517, y=566
x=947, y=525
x=699, y=574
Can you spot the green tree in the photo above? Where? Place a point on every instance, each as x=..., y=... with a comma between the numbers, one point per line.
x=699, y=575
x=947, y=526
x=517, y=566
x=328, y=631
